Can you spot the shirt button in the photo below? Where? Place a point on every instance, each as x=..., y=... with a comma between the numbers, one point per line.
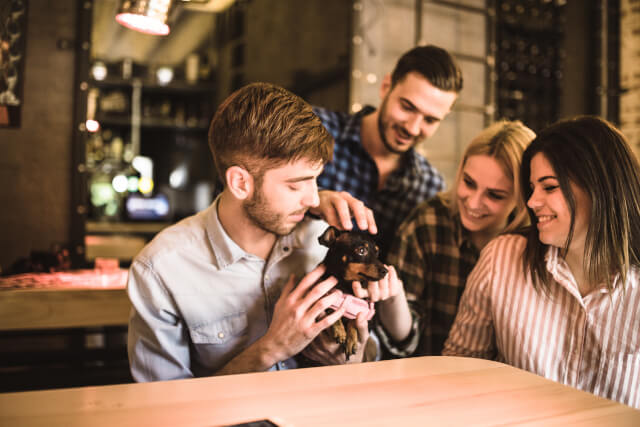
x=286, y=248
x=220, y=335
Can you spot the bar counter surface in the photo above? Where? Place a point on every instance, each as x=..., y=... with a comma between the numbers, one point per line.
x=73, y=299
x=424, y=391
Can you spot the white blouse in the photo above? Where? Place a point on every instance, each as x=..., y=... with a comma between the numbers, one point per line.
x=591, y=343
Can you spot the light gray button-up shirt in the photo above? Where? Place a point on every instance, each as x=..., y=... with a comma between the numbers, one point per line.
x=199, y=299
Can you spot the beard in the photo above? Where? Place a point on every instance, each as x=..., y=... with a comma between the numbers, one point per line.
x=262, y=216
x=384, y=125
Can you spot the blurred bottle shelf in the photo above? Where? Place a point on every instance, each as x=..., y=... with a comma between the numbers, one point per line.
x=106, y=120
x=152, y=86
x=103, y=227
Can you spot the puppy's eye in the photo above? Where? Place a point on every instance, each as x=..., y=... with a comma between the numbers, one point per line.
x=362, y=251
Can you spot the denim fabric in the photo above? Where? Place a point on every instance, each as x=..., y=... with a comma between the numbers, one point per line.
x=199, y=299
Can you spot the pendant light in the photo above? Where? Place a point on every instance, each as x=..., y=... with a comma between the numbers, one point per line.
x=146, y=16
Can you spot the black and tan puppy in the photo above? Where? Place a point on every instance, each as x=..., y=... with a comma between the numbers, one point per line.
x=352, y=256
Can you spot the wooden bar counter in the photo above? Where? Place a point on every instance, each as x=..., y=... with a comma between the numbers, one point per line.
x=425, y=391
x=62, y=329
x=75, y=299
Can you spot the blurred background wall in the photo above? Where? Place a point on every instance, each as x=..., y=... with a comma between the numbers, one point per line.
x=333, y=53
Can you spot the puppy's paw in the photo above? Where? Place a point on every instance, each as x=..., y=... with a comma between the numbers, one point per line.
x=339, y=333
x=351, y=344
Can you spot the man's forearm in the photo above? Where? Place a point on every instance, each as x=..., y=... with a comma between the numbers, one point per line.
x=256, y=358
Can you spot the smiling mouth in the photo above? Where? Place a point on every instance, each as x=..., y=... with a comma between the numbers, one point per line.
x=544, y=219
x=473, y=214
x=403, y=136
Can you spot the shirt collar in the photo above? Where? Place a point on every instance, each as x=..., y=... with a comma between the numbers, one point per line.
x=353, y=124
x=559, y=270
x=227, y=252
x=411, y=162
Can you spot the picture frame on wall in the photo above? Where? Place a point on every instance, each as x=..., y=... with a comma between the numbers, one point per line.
x=12, y=57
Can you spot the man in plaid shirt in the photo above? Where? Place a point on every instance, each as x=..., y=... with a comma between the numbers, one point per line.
x=374, y=157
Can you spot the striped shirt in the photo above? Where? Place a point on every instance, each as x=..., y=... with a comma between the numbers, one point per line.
x=354, y=171
x=591, y=343
x=433, y=255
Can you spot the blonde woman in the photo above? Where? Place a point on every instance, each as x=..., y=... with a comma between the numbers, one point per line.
x=439, y=243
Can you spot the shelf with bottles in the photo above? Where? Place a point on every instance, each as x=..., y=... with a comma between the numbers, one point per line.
x=149, y=85
x=168, y=123
x=153, y=183
x=174, y=108
x=116, y=174
x=145, y=227
x=143, y=157
x=124, y=208
x=529, y=58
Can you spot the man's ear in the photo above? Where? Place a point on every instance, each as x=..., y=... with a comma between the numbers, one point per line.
x=240, y=182
x=385, y=86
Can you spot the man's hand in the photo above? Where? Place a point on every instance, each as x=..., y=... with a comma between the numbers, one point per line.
x=326, y=351
x=297, y=316
x=337, y=208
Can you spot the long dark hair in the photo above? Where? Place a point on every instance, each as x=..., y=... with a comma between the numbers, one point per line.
x=596, y=157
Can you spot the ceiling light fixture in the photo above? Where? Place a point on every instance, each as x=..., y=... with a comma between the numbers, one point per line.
x=146, y=16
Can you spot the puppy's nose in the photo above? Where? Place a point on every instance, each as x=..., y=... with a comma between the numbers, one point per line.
x=382, y=270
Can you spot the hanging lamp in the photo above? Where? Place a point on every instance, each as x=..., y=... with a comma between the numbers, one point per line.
x=146, y=16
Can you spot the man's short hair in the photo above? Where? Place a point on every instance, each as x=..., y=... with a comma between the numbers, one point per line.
x=262, y=126
x=434, y=64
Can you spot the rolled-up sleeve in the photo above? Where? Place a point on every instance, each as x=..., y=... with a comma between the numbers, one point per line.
x=158, y=344
x=407, y=347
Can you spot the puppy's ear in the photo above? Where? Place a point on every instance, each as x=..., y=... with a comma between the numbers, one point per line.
x=329, y=236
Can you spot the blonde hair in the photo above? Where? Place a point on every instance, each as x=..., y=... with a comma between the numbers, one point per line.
x=505, y=141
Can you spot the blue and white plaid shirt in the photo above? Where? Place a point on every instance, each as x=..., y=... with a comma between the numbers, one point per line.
x=353, y=170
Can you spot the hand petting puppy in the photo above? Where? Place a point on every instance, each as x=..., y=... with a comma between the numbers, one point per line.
x=337, y=208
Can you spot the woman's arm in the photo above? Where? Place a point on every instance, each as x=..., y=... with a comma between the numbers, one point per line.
x=398, y=321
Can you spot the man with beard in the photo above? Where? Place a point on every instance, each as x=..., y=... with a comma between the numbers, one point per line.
x=226, y=290
x=374, y=158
